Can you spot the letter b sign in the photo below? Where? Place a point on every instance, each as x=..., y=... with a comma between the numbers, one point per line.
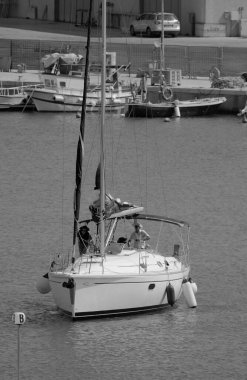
x=19, y=318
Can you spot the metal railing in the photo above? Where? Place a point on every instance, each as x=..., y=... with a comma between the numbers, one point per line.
x=193, y=61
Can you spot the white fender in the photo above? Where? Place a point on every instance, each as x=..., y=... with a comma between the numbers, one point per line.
x=176, y=109
x=189, y=294
x=194, y=286
x=91, y=103
x=43, y=285
x=79, y=100
x=58, y=98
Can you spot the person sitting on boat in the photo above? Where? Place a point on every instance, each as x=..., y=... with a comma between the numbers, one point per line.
x=84, y=239
x=138, y=237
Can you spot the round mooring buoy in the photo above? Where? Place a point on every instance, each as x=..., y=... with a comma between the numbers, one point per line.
x=43, y=284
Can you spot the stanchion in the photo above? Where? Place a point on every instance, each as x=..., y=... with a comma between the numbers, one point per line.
x=19, y=319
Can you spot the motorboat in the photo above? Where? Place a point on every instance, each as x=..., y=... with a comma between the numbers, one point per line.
x=192, y=107
x=15, y=98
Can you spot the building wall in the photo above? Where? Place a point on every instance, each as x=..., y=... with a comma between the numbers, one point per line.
x=192, y=11
x=213, y=18
x=197, y=17
x=230, y=13
x=119, y=13
x=171, y=6
x=76, y=11
x=65, y=11
x=34, y=9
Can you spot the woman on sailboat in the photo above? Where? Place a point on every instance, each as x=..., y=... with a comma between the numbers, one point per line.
x=84, y=239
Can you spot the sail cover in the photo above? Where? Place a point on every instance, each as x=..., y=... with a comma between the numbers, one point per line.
x=78, y=177
x=97, y=178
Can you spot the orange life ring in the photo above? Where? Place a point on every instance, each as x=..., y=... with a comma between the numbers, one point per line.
x=167, y=93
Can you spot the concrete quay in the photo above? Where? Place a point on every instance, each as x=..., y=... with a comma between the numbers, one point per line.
x=14, y=78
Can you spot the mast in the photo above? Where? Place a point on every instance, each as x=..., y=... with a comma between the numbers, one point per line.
x=80, y=145
x=162, y=48
x=102, y=160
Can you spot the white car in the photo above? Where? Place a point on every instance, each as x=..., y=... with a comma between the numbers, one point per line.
x=151, y=24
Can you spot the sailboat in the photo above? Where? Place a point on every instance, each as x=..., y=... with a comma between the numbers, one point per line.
x=113, y=271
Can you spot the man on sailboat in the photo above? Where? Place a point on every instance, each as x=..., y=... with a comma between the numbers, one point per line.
x=138, y=237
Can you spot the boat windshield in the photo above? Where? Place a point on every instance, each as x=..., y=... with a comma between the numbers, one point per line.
x=50, y=83
x=165, y=237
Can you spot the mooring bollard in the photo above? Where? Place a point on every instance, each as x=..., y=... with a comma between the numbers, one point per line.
x=19, y=319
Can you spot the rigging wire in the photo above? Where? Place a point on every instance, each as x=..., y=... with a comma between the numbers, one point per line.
x=63, y=182
x=162, y=182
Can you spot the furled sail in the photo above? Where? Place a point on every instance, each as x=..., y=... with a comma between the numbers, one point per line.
x=78, y=177
x=80, y=145
x=97, y=178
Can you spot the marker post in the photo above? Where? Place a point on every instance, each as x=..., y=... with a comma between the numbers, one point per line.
x=19, y=319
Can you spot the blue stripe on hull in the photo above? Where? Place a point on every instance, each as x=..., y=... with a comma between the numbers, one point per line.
x=114, y=313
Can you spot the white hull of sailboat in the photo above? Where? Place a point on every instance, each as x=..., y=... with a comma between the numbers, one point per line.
x=116, y=291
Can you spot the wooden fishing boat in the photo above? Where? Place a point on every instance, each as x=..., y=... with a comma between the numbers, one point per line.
x=63, y=91
x=194, y=107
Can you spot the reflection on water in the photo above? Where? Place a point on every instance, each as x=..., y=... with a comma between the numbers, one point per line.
x=197, y=171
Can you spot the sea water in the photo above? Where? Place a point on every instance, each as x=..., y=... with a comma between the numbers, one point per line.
x=198, y=172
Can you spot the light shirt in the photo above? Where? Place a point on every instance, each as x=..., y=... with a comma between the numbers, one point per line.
x=139, y=238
